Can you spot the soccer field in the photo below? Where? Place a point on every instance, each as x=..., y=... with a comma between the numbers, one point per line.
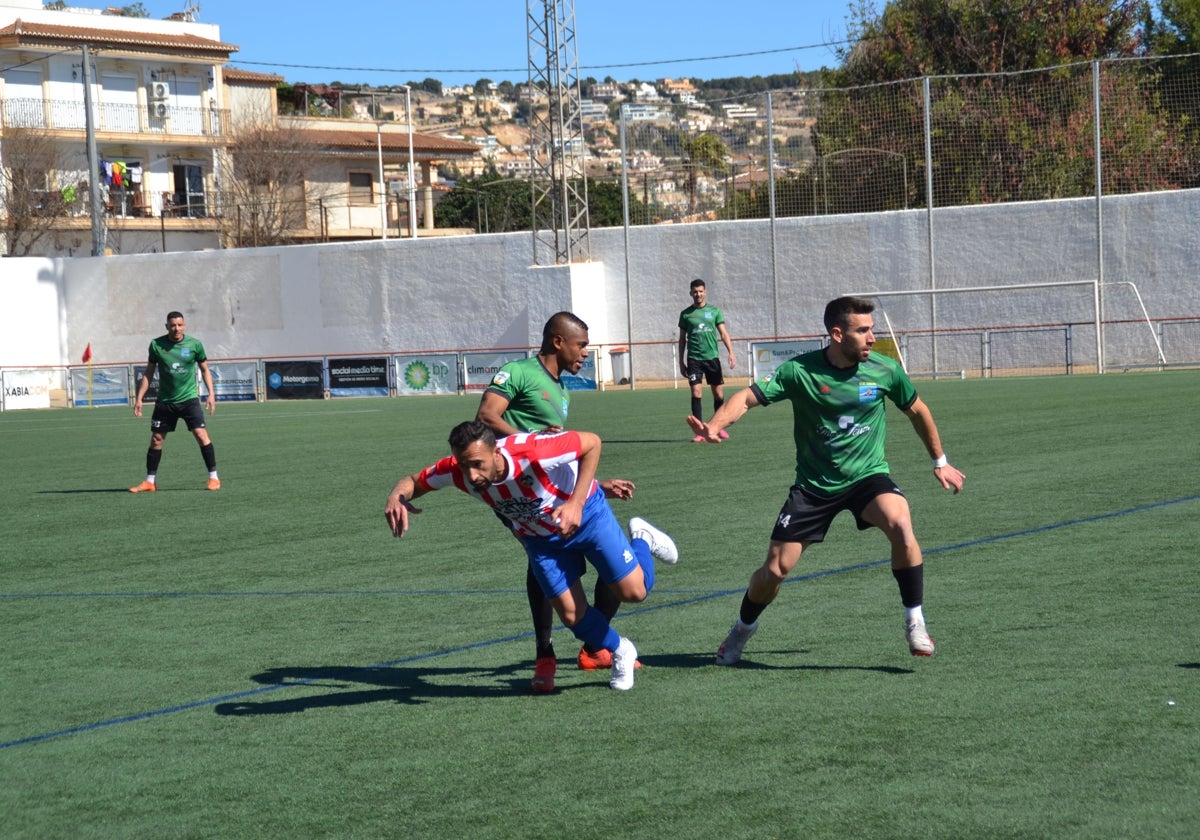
x=268, y=661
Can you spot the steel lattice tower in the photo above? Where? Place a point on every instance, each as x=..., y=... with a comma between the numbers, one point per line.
x=556, y=148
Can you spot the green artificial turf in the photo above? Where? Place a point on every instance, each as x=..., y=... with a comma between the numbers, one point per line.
x=268, y=661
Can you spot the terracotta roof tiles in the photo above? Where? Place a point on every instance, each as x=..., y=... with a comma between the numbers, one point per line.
x=24, y=34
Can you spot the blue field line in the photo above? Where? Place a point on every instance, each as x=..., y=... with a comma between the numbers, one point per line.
x=707, y=596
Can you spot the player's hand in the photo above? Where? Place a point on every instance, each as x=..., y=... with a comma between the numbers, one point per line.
x=137, y=409
x=551, y=430
x=568, y=517
x=732, y=361
x=396, y=513
x=950, y=477
x=211, y=402
x=701, y=428
x=618, y=488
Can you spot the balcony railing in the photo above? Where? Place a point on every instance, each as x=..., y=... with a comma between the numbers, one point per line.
x=158, y=118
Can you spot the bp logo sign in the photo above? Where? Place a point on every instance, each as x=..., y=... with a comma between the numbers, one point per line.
x=417, y=376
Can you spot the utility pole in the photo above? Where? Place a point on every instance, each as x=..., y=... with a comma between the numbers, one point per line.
x=93, y=159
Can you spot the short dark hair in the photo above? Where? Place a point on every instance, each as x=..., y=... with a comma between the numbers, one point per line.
x=697, y=284
x=839, y=310
x=174, y=314
x=468, y=432
x=558, y=324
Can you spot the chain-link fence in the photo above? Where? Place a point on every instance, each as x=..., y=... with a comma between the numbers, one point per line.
x=1079, y=131
x=964, y=140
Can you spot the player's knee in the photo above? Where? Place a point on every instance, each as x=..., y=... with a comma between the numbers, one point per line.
x=772, y=574
x=899, y=531
x=631, y=592
x=569, y=615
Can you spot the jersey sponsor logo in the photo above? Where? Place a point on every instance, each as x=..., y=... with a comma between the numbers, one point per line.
x=628, y=555
x=852, y=429
x=868, y=392
x=519, y=510
x=526, y=480
x=500, y=378
x=185, y=352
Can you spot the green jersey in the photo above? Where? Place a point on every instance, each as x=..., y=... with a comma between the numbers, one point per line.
x=176, y=364
x=699, y=324
x=536, y=399
x=839, y=415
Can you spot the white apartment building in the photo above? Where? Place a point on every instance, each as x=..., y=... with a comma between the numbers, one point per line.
x=165, y=109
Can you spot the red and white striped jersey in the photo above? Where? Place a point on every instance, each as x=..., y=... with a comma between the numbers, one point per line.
x=542, y=470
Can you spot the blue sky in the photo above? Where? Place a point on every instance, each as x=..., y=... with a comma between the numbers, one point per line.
x=388, y=42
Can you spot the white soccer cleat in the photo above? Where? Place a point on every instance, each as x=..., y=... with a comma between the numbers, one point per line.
x=730, y=651
x=624, y=660
x=919, y=643
x=662, y=547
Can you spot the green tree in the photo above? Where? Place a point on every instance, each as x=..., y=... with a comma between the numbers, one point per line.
x=913, y=38
x=1175, y=30
x=495, y=204
x=1022, y=136
x=703, y=153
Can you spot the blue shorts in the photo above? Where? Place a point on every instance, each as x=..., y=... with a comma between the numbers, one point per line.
x=557, y=563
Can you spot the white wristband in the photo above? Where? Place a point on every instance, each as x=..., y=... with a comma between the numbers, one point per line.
x=940, y=461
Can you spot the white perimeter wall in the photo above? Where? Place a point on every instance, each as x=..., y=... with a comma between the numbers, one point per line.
x=481, y=292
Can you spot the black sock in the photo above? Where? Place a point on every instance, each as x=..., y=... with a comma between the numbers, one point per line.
x=210, y=457
x=607, y=602
x=717, y=403
x=750, y=610
x=153, y=456
x=912, y=585
x=543, y=616
x=697, y=408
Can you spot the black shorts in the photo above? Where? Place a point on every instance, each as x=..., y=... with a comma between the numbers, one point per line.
x=708, y=370
x=806, y=517
x=167, y=415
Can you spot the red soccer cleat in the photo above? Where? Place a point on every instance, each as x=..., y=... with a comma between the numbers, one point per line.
x=543, y=674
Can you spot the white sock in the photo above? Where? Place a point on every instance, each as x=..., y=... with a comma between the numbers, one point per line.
x=912, y=614
x=212, y=474
x=150, y=478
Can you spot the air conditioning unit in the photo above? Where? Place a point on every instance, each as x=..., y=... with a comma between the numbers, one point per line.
x=160, y=90
x=159, y=110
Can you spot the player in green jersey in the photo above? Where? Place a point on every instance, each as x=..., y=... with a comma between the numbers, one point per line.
x=699, y=358
x=526, y=396
x=176, y=357
x=837, y=401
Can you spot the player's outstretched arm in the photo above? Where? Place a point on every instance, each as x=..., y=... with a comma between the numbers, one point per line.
x=618, y=488
x=399, y=504
x=922, y=420
x=728, y=414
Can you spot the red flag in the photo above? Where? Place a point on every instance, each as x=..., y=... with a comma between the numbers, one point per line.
x=87, y=353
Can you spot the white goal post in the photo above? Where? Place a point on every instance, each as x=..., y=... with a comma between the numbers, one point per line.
x=1096, y=309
